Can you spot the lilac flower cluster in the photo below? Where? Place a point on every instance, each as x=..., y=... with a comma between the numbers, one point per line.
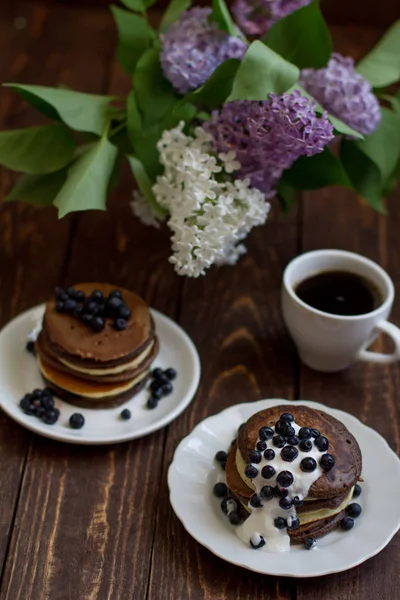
x=344, y=92
x=269, y=136
x=255, y=17
x=193, y=48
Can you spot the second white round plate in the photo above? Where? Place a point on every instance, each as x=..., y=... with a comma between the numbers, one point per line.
x=19, y=374
x=194, y=472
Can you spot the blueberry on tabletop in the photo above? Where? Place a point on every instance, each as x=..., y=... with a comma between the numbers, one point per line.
x=306, y=445
x=304, y=433
x=234, y=518
x=124, y=313
x=322, y=443
x=327, y=462
x=268, y=471
x=347, y=523
x=278, y=441
x=50, y=417
x=220, y=490
x=255, y=501
x=166, y=388
x=221, y=456
x=285, y=503
x=297, y=501
x=152, y=402
x=265, y=433
x=126, y=414
x=97, y=324
x=354, y=510
x=255, y=456
x=287, y=417
x=261, y=446
x=315, y=433
x=30, y=346
x=251, y=471
x=120, y=324
x=115, y=294
x=285, y=479
x=280, y=523
x=357, y=490
x=308, y=465
x=60, y=306
x=258, y=544
x=267, y=492
x=289, y=453
x=281, y=426
x=293, y=440
x=269, y=454
x=76, y=421
x=170, y=373
x=309, y=543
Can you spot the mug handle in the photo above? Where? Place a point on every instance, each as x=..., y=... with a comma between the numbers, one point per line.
x=378, y=357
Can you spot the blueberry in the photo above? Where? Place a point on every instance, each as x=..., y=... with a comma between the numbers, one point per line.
x=220, y=490
x=278, y=441
x=234, y=518
x=327, y=462
x=170, y=374
x=155, y=385
x=265, y=433
x=115, y=294
x=280, y=492
x=69, y=306
x=347, y=523
x=353, y=510
x=50, y=417
x=152, y=402
x=285, y=503
x=269, y=454
x=293, y=523
x=309, y=543
x=290, y=431
x=285, y=479
x=37, y=403
x=47, y=401
x=28, y=408
x=97, y=324
x=59, y=292
x=126, y=414
x=70, y=291
x=120, y=324
x=251, y=471
x=79, y=296
x=304, y=433
x=124, y=313
x=280, y=523
x=166, y=388
x=255, y=456
x=113, y=305
x=322, y=443
x=287, y=417
x=60, y=306
x=86, y=318
x=305, y=445
x=229, y=505
x=315, y=433
x=289, y=453
x=157, y=393
x=259, y=544
x=92, y=308
x=221, y=456
x=297, y=501
x=267, y=472
x=37, y=393
x=30, y=346
x=77, y=312
x=96, y=295
x=157, y=373
x=261, y=446
x=26, y=401
x=281, y=426
x=357, y=490
x=293, y=440
x=267, y=492
x=255, y=501
x=223, y=465
x=76, y=421
x=308, y=465
x=39, y=411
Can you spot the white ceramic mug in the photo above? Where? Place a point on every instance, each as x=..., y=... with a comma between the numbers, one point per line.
x=328, y=342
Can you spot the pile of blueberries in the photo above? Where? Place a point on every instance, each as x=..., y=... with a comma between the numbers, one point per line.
x=160, y=386
x=93, y=310
x=40, y=403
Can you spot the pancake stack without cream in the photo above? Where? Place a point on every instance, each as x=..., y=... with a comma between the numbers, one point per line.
x=321, y=496
x=97, y=369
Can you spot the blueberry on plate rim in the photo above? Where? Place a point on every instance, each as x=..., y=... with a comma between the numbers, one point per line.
x=220, y=490
x=126, y=414
x=77, y=421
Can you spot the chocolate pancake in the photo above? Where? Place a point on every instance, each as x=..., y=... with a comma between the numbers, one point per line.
x=342, y=444
x=73, y=338
x=317, y=529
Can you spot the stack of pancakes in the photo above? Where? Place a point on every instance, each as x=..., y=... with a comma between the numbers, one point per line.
x=97, y=370
x=324, y=506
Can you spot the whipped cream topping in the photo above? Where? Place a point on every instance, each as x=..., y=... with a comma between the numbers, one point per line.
x=260, y=523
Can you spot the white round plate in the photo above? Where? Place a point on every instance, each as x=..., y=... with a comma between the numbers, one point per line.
x=194, y=472
x=19, y=374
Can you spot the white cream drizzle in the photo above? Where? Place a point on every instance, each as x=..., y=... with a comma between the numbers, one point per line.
x=261, y=520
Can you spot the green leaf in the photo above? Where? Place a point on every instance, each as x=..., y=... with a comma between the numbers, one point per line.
x=145, y=185
x=155, y=95
x=135, y=36
x=37, y=150
x=82, y=112
x=136, y=5
x=287, y=195
x=262, y=72
x=314, y=172
x=134, y=123
x=149, y=3
x=221, y=15
x=88, y=178
x=381, y=67
x=173, y=12
x=217, y=88
x=38, y=189
x=363, y=174
x=302, y=37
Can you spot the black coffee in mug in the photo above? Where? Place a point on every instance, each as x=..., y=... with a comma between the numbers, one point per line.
x=340, y=293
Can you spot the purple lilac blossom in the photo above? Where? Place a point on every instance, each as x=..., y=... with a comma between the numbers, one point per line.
x=193, y=48
x=269, y=136
x=344, y=92
x=256, y=17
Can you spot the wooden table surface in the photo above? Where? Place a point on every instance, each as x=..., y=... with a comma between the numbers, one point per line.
x=88, y=523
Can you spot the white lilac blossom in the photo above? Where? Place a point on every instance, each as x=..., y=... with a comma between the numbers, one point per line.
x=142, y=210
x=344, y=92
x=193, y=48
x=210, y=213
x=256, y=17
x=267, y=137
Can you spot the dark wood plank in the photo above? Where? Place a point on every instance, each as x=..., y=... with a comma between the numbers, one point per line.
x=234, y=318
